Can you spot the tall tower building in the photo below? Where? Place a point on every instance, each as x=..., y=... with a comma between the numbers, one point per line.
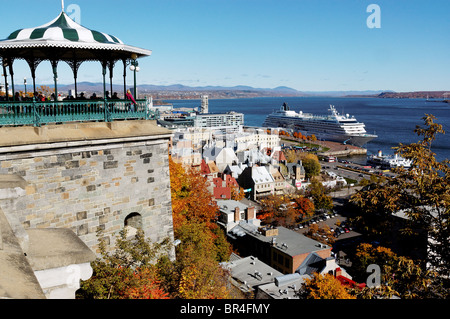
x=205, y=104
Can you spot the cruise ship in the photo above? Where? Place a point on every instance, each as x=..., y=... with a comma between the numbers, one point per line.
x=335, y=127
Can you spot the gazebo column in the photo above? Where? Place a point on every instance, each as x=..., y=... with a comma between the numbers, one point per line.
x=75, y=65
x=33, y=63
x=111, y=74
x=11, y=72
x=104, y=66
x=55, y=75
x=125, y=63
x=5, y=74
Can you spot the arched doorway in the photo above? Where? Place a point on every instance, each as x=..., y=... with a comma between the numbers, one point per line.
x=132, y=223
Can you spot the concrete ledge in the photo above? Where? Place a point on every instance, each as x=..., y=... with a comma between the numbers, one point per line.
x=26, y=135
x=12, y=186
x=17, y=278
x=55, y=248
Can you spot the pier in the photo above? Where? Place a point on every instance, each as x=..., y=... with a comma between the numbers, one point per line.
x=331, y=148
x=340, y=150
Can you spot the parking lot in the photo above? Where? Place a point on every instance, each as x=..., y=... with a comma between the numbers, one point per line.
x=353, y=171
x=343, y=231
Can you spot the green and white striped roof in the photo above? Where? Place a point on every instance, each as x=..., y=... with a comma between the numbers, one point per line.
x=63, y=29
x=63, y=32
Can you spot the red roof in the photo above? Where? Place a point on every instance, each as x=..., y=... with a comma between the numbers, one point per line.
x=204, y=168
x=222, y=193
x=348, y=282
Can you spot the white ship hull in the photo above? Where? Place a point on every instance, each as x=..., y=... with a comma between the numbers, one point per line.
x=336, y=128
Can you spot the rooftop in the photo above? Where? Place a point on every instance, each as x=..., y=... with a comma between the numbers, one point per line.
x=294, y=243
x=228, y=206
x=284, y=287
x=249, y=272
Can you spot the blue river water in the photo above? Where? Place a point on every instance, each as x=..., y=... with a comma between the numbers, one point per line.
x=393, y=120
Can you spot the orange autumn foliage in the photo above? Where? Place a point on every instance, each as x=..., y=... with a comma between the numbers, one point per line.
x=145, y=286
x=284, y=210
x=191, y=200
x=324, y=287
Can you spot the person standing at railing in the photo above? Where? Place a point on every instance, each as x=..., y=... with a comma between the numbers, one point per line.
x=130, y=97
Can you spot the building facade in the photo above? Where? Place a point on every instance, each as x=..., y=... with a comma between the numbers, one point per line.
x=89, y=177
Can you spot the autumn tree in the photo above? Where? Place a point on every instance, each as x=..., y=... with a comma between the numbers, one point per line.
x=285, y=210
x=196, y=273
x=277, y=210
x=237, y=193
x=400, y=276
x=311, y=164
x=420, y=192
x=318, y=193
x=191, y=200
x=45, y=90
x=127, y=271
x=304, y=206
x=324, y=287
x=321, y=234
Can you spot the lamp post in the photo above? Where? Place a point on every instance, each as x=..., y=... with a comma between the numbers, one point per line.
x=25, y=83
x=134, y=67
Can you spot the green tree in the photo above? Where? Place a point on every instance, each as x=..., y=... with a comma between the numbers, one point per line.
x=317, y=192
x=421, y=193
x=196, y=273
x=312, y=166
x=126, y=271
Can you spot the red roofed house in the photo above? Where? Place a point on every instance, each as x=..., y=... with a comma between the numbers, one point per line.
x=222, y=187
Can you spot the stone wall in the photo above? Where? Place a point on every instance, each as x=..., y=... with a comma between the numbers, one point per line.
x=87, y=185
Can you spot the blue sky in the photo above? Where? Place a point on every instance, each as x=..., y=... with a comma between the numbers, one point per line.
x=309, y=45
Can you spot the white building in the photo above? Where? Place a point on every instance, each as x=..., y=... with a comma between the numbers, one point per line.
x=230, y=120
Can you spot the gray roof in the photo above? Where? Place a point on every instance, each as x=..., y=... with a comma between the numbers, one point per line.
x=250, y=272
x=284, y=287
x=313, y=263
x=228, y=206
x=297, y=244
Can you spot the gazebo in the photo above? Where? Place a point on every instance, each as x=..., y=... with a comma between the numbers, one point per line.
x=63, y=39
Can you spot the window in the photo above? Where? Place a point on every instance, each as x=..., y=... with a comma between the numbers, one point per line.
x=280, y=259
x=287, y=262
x=132, y=223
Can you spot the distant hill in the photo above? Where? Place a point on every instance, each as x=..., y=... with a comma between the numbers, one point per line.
x=417, y=95
x=346, y=93
x=242, y=88
x=180, y=91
